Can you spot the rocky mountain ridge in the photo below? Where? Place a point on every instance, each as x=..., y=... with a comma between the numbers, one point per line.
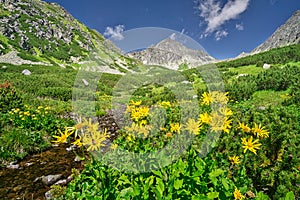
x=286, y=34
x=172, y=54
x=40, y=32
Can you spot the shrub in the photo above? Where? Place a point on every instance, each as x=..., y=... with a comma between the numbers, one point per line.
x=9, y=98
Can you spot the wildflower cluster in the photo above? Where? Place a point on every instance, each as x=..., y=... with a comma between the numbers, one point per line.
x=86, y=134
x=137, y=111
x=217, y=120
x=40, y=118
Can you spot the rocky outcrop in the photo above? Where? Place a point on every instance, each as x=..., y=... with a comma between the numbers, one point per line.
x=171, y=54
x=38, y=32
x=287, y=34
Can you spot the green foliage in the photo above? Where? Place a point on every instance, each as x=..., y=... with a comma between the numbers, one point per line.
x=278, y=79
x=9, y=97
x=16, y=143
x=274, y=56
x=181, y=180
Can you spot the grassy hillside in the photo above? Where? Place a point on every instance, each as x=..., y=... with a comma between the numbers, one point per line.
x=263, y=105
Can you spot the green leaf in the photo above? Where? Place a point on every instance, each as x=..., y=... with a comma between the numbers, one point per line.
x=262, y=196
x=289, y=196
x=178, y=184
x=216, y=173
x=212, y=195
x=225, y=183
x=160, y=186
x=158, y=173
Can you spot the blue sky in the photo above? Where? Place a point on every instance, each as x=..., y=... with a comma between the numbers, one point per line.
x=224, y=28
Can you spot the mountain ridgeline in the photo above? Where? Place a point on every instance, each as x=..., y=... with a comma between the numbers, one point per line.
x=286, y=34
x=172, y=54
x=37, y=31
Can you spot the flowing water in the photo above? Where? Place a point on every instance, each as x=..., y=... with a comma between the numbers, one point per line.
x=20, y=183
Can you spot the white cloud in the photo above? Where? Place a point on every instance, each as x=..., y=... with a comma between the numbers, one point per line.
x=239, y=27
x=115, y=33
x=220, y=34
x=215, y=15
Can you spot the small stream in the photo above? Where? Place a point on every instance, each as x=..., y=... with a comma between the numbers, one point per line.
x=20, y=183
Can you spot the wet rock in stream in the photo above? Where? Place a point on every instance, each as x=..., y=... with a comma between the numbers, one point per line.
x=26, y=181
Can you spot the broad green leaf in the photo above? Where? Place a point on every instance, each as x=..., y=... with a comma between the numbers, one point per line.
x=289, y=196
x=212, y=195
x=225, y=183
x=178, y=184
x=262, y=196
x=160, y=186
x=158, y=173
x=216, y=173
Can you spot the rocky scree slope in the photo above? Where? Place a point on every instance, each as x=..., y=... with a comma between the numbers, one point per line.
x=171, y=54
x=45, y=32
x=286, y=34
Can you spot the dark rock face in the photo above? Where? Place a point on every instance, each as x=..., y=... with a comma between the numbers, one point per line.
x=287, y=34
x=170, y=53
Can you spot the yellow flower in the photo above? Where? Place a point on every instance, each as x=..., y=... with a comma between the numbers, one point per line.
x=218, y=122
x=95, y=140
x=259, y=131
x=136, y=128
x=244, y=127
x=219, y=97
x=205, y=118
x=235, y=160
x=237, y=194
x=206, y=99
x=40, y=107
x=249, y=145
x=193, y=126
x=91, y=127
x=143, y=123
x=135, y=103
x=139, y=113
x=175, y=127
x=227, y=125
x=63, y=136
x=77, y=142
x=165, y=104
x=225, y=111
x=114, y=146
x=130, y=138
x=16, y=110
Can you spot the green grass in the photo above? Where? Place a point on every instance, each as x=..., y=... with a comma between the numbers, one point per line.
x=266, y=98
x=250, y=69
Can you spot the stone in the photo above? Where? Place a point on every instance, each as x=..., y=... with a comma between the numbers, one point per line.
x=262, y=108
x=85, y=82
x=267, y=66
x=77, y=159
x=48, y=195
x=28, y=164
x=71, y=148
x=26, y=72
x=13, y=166
x=61, y=182
x=4, y=67
x=240, y=75
x=50, y=179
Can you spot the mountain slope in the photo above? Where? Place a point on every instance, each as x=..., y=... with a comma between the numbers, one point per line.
x=287, y=34
x=171, y=54
x=47, y=33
